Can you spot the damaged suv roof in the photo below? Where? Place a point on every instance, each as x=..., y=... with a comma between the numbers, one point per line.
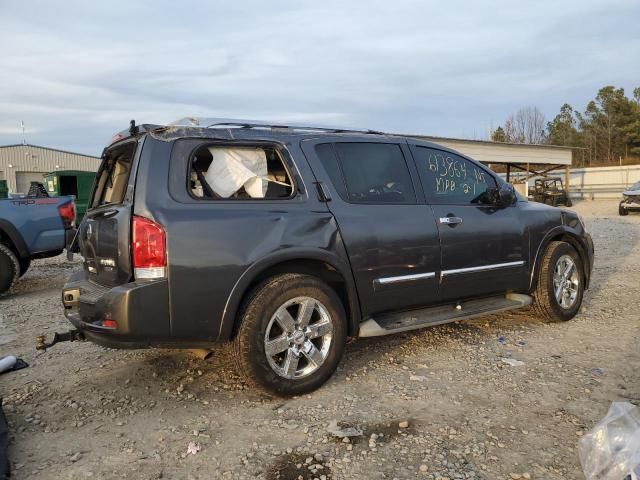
x=233, y=128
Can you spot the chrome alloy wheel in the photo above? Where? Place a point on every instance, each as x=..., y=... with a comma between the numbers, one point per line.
x=298, y=337
x=566, y=282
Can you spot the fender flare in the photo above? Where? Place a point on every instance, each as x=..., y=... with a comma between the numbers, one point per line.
x=16, y=238
x=229, y=315
x=560, y=230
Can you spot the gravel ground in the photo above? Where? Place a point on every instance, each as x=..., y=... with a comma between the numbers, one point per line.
x=434, y=404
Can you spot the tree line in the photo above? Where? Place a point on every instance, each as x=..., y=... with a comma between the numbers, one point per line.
x=606, y=132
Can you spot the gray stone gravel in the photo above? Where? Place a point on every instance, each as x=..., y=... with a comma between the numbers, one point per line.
x=434, y=404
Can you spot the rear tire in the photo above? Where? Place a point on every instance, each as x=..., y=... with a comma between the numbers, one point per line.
x=25, y=263
x=278, y=347
x=569, y=203
x=560, y=287
x=9, y=269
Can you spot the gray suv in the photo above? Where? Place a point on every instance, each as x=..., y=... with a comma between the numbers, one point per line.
x=285, y=240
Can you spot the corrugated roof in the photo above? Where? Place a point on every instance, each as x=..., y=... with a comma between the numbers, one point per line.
x=48, y=148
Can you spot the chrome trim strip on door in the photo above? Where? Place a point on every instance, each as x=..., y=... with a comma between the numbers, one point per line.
x=405, y=278
x=483, y=268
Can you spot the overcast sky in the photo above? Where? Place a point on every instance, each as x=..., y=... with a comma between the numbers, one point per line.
x=77, y=72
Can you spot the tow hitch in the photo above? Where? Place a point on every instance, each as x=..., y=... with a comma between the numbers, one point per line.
x=70, y=336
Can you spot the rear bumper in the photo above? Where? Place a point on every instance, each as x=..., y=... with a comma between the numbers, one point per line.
x=141, y=310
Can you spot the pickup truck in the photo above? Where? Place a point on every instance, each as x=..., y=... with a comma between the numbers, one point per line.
x=30, y=228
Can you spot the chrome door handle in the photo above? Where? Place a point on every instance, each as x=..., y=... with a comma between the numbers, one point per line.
x=450, y=220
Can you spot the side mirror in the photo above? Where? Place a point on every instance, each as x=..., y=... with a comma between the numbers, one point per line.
x=506, y=195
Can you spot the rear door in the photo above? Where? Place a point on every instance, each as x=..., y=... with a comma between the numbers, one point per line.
x=484, y=247
x=389, y=233
x=104, y=234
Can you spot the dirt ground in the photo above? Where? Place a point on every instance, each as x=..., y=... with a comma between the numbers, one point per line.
x=83, y=411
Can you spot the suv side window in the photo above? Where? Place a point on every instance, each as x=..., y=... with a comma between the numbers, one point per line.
x=368, y=172
x=220, y=172
x=448, y=178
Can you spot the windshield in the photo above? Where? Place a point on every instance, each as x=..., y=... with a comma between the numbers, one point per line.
x=635, y=186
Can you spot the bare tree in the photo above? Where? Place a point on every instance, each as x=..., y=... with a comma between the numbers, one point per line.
x=527, y=125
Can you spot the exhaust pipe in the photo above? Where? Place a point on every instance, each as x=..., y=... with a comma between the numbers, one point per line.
x=201, y=353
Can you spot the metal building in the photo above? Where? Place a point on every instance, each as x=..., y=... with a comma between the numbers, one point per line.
x=22, y=164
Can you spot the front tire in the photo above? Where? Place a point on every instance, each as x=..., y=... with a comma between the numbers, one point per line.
x=9, y=269
x=292, y=334
x=560, y=286
x=622, y=211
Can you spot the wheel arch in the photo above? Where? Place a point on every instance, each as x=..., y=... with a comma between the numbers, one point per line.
x=12, y=238
x=561, y=234
x=319, y=263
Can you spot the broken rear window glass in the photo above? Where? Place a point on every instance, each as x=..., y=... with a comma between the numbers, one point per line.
x=113, y=175
x=239, y=173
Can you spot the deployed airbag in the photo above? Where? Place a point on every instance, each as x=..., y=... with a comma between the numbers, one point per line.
x=234, y=168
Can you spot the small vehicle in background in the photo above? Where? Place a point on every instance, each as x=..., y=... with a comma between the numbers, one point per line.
x=630, y=200
x=34, y=226
x=551, y=191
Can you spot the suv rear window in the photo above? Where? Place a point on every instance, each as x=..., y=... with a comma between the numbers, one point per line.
x=368, y=172
x=219, y=172
x=113, y=176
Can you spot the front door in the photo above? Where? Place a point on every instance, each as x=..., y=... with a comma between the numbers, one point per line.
x=484, y=247
x=389, y=233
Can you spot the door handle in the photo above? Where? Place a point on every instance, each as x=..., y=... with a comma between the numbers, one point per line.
x=450, y=220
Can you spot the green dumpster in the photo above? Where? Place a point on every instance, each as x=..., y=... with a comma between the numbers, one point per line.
x=71, y=182
x=4, y=190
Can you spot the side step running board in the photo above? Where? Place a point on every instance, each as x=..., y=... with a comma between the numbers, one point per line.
x=402, y=322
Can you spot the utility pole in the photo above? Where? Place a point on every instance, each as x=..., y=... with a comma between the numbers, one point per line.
x=24, y=141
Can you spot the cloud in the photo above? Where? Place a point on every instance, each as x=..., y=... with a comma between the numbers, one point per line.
x=77, y=74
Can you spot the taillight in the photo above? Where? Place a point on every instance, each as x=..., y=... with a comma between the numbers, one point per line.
x=149, y=249
x=67, y=213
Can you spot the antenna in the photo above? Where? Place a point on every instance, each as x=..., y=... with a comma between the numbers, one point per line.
x=24, y=141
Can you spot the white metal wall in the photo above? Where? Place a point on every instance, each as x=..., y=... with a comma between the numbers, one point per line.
x=31, y=158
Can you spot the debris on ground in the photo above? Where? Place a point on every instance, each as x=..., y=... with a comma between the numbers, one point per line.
x=512, y=361
x=611, y=450
x=343, y=430
x=193, y=448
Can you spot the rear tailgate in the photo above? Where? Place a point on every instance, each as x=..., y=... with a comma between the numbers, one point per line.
x=104, y=234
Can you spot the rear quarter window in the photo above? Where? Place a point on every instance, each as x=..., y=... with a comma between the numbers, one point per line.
x=239, y=172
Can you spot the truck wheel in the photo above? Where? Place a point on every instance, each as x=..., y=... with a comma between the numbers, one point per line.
x=9, y=269
x=569, y=203
x=25, y=263
x=292, y=334
x=560, y=286
x=622, y=211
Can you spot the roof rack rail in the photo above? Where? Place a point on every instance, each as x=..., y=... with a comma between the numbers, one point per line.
x=204, y=122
